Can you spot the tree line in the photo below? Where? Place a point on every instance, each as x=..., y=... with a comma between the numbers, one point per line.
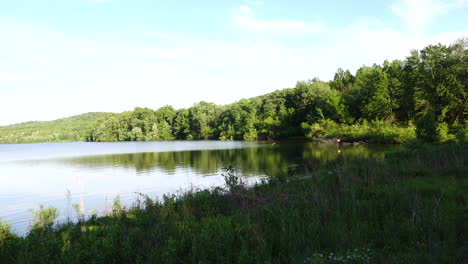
x=74, y=128
x=427, y=91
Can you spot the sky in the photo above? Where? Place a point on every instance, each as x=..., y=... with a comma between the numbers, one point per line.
x=65, y=57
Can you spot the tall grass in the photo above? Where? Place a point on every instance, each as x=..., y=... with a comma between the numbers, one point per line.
x=411, y=207
x=368, y=131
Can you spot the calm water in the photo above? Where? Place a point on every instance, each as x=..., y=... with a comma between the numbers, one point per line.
x=95, y=173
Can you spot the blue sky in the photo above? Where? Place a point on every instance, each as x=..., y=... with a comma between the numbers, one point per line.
x=60, y=58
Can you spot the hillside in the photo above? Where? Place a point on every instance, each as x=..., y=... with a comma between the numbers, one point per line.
x=65, y=129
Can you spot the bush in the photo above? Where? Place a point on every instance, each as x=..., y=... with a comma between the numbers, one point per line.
x=44, y=218
x=233, y=180
x=443, y=134
x=426, y=127
x=462, y=133
x=5, y=232
x=315, y=130
x=374, y=131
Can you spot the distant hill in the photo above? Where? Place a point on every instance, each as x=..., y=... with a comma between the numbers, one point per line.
x=65, y=129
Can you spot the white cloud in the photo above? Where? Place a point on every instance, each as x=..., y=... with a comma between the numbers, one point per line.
x=369, y=46
x=56, y=74
x=244, y=17
x=9, y=77
x=72, y=74
x=418, y=13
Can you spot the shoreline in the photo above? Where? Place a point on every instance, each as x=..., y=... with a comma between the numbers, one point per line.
x=372, y=208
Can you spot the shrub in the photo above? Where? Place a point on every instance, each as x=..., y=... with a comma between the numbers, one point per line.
x=443, y=134
x=462, y=133
x=44, y=217
x=426, y=127
x=376, y=131
x=5, y=232
x=233, y=181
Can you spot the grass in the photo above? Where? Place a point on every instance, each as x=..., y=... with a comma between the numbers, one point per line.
x=366, y=131
x=410, y=207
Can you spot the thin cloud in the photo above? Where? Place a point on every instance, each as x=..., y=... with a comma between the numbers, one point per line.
x=7, y=77
x=244, y=17
x=61, y=70
x=417, y=14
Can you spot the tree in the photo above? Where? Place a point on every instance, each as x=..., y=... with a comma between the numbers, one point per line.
x=203, y=116
x=166, y=113
x=342, y=81
x=181, y=124
x=442, y=83
x=370, y=98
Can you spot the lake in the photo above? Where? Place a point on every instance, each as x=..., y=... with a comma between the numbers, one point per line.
x=93, y=174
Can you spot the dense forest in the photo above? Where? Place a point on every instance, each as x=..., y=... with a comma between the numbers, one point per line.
x=73, y=128
x=423, y=96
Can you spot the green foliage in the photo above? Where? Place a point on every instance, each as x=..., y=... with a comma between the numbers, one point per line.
x=373, y=93
x=443, y=133
x=427, y=127
x=5, y=232
x=342, y=81
x=315, y=130
x=233, y=180
x=251, y=134
x=462, y=133
x=429, y=85
x=73, y=128
x=117, y=206
x=142, y=124
x=373, y=131
x=44, y=218
x=442, y=80
x=203, y=117
x=181, y=124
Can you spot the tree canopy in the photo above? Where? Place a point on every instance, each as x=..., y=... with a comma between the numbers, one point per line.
x=428, y=88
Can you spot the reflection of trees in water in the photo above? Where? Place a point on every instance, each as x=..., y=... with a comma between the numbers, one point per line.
x=270, y=159
x=335, y=152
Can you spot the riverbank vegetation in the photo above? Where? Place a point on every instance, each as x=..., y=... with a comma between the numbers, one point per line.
x=425, y=95
x=72, y=128
x=408, y=207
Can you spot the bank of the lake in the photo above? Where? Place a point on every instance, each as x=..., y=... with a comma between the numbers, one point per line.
x=411, y=207
x=91, y=174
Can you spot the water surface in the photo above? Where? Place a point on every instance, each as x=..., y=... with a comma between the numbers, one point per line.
x=95, y=173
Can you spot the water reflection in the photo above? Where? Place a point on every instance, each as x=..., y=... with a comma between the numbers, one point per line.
x=93, y=181
x=261, y=159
